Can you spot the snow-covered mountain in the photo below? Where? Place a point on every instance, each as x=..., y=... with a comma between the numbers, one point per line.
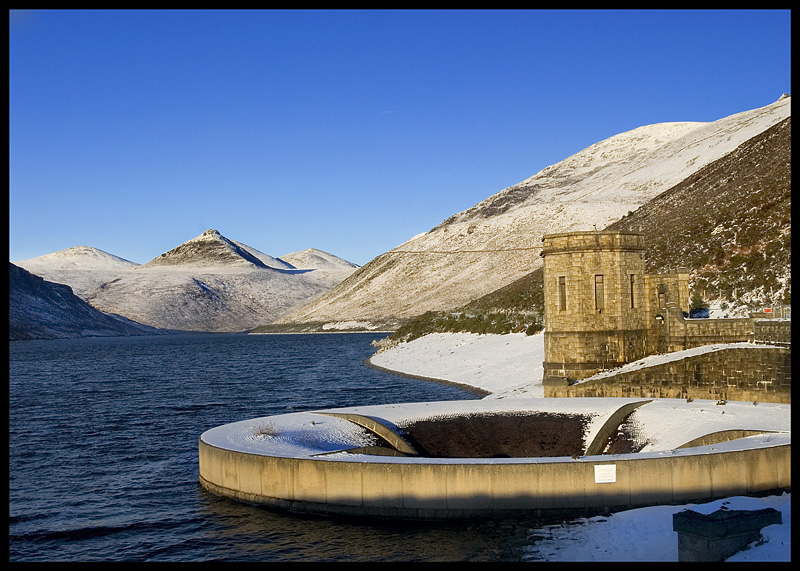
x=212, y=249
x=209, y=283
x=83, y=268
x=313, y=259
x=498, y=240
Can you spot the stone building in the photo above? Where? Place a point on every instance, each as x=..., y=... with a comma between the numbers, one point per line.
x=602, y=311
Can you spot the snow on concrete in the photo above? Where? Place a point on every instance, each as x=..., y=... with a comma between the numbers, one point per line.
x=665, y=424
x=292, y=435
x=510, y=366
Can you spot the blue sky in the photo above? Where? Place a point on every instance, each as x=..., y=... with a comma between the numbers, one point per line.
x=347, y=131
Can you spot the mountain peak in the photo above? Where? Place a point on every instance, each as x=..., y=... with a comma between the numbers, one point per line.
x=208, y=283
x=208, y=249
x=209, y=234
x=313, y=259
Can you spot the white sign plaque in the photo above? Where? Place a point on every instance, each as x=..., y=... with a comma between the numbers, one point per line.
x=605, y=474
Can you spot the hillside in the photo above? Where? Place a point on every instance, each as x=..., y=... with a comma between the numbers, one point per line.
x=313, y=259
x=497, y=242
x=212, y=249
x=729, y=224
x=39, y=309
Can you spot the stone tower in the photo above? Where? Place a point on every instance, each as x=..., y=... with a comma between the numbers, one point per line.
x=596, y=303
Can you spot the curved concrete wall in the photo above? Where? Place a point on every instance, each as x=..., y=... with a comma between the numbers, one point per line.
x=455, y=488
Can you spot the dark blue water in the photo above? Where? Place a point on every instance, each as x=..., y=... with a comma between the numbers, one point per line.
x=103, y=451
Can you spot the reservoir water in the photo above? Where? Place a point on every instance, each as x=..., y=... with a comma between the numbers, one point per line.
x=103, y=451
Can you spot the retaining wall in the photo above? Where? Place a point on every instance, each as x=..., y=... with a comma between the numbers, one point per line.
x=756, y=373
x=682, y=333
x=773, y=331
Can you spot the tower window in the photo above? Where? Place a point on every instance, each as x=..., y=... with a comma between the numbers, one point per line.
x=562, y=293
x=598, y=293
x=633, y=296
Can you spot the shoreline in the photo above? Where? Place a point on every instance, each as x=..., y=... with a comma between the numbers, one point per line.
x=468, y=388
x=315, y=332
x=491, y=365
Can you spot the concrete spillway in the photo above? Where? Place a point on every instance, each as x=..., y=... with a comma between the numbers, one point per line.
x=500, y=458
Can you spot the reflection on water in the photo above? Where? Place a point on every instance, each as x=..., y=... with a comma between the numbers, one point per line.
x=257, y=533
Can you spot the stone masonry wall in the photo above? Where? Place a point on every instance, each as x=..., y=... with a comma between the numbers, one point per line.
x=600, y=350
x=687, y=333
x=579, y=258
x=774, y=331
x=759, y=373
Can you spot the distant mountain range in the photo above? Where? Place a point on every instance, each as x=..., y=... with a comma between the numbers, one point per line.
x=714, y=197
x=497, y=242
x=209, y=283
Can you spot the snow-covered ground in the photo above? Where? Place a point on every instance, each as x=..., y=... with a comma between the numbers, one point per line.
x=503, y=365
x=511, y=366
x=645, y=534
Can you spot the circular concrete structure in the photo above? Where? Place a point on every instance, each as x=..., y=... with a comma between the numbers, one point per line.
x=489, y=458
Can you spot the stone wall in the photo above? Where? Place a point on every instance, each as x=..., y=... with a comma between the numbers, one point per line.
x=584, y=353
x=773, y=331
x=602, y=311
x=759, y=373
x=682, y=333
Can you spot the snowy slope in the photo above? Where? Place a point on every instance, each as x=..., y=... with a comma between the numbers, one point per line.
x=212, y=249
x=498, y=240
x=83, y=268
x=206, y=299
